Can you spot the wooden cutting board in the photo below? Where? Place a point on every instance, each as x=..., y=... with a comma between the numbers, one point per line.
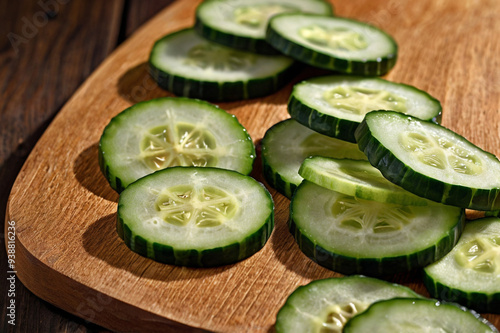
x=67, y=250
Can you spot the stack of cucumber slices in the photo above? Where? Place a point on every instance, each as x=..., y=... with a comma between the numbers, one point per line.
x=363, y=304
x=181, y=166
x=377, y=185
x=399, y=206
x=406, y=213
x=240, y=49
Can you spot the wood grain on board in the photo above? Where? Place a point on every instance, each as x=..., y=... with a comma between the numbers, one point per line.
x=68, y=252
x=47, y=49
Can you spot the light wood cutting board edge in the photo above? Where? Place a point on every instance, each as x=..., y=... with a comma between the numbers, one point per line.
x=69, y=294
x=40, y=263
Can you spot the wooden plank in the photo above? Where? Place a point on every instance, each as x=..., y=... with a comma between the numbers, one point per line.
x=65, y=211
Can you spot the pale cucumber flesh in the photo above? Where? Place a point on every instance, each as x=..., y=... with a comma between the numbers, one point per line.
x=167, y=132
x=430, y=161
x=351, y=235
x=356, y=178
x=417, y=315
x=326, y=305
x=469, y=274
x=288, y=143
x=193, y=216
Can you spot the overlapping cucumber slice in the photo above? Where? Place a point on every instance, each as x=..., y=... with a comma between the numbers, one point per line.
x=286, y=145
x=326, y=305
x=356, y=178
x=242, y=24
x=188, y=65
x=355, y=236
x=194, y=216
x=170, y=131
x=417, y=315
x=470, y=273
x=430, y=160
x=336, y=105
x=333, y=43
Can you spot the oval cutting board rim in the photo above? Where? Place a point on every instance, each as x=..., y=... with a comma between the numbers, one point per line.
x=88, y=299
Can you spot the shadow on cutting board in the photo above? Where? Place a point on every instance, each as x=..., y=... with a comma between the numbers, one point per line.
x=87, y=172
x=102, y=241
x=136, y=85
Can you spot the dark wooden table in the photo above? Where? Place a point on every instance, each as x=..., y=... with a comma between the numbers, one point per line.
x=47, y=49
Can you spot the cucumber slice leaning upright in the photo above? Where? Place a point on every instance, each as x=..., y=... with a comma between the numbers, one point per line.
x=285, y=146
x=193, y=216
x=356, y=178
x=335, y=105
x=333, y=43
x=188, y=65
x=470, y=273
x=172, y=131
x=326, y=305
x=355, y=236
x=417, y=315
x=430, y=161
x=242, y=24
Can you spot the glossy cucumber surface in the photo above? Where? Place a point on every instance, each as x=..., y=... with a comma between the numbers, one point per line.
x=199, y=217
x=172, y=131
x=285, y=146
x=333, y=43
x=336, y=105
x=326, y=305
x=355, y=236
x=417, y=315
x=430, y=160
x=190, y=66
x=470, y=273
x=241, y=24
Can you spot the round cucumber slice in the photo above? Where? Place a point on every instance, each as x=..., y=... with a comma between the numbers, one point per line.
x=242, y=24
x=355, y=236
x=356, y=178
x=326, y=305
x=333, y=43
x=188, y=65
x=417, y=315
x=172, y=131
x=430, y=161
x=285, y=146
x=197, y=217
x=470, y=273
x=335, y=105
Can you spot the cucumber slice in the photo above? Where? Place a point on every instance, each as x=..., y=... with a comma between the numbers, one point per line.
x=356, y=236
x=470, y=273
x=285, y=146
x=194, y=216
x=430, y=161
x=492, y=213
x=326, y=305
x=356, y=178
x=172, y=131
x=188, y=65
x=242, y=24
x=333, y=43
x=417, y=315
x=335, y=105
